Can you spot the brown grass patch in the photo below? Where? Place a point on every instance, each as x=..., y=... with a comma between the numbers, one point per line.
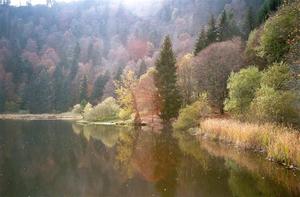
x=280, y=143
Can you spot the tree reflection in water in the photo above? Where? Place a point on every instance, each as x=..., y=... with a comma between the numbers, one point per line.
x=56, y=158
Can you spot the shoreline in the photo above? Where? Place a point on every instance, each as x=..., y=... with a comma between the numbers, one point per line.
x=62, y=116
x=279, y=144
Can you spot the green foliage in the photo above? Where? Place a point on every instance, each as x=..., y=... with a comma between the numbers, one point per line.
x=279, y=77
x=252, y=48
x=277, y=99
x=83, y=103
x=142, y=69
x=2, y=98
x=227, y=27
x=267, y=8
x=99, y=86
x=39, y=93
x=166, y=79
x=11, y=106
x=201, y=42
x=280, y=33
x=83, y=95
x=190, y=115
x=275, y=106
x=242, y=87
x=212, y=30
x=249, y=22
x=105, y=111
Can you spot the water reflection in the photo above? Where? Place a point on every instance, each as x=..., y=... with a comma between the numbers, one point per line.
x=58, y=158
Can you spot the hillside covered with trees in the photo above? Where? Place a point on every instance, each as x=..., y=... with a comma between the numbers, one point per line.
x=56, y=55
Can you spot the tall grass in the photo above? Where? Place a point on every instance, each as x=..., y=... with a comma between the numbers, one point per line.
x=281, y=143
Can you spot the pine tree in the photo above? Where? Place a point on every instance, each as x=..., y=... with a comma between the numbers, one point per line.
x=142, y=69
x=224, y=27
x=2, y=97
x=249, y=23
x=99, y=86
x=212, y=30
x=170, y=100
x=201, y=42
x=40, y=93
x=83, y=89
x=61, y=89
x=75, y=61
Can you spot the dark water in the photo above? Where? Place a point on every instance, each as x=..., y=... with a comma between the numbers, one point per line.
x=56, y=158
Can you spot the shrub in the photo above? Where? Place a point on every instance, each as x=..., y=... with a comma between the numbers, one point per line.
x=77, y=109
x=242, y=87
x=86, y=111
x=252, y=48
x=276, y=106
x=189, y=116
x=107, y=110
x=279, y=77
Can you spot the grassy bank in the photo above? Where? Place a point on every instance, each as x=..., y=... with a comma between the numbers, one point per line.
x=280, y=143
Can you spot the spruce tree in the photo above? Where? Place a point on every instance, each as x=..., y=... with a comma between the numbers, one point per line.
x=224, y=32
x=83, y=89
x=75, y=61
x=201, y=42
x=249, y=23
x=99, y=86
x=170, y=100
x=142, y=69
x=2, y=97
x=40, y=93
x=212, y=30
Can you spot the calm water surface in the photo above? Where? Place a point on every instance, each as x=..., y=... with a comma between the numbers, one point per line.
x=57, y=158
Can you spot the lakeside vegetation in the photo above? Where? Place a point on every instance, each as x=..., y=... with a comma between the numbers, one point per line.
x=280, y=143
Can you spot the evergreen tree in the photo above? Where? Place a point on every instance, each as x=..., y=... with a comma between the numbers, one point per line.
x=249, y=23
x=201, y=42
x=83, y=95
x=99, y=86
x=224, y=32
x=142, y=69
x=212, y=30
x=118, y=74
x=40, y=93
x=268, y=7
x=75, y=61
x=2, y=97
x=61, y=89
x=170, y=100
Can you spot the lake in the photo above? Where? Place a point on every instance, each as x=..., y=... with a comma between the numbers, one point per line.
x=61, y=158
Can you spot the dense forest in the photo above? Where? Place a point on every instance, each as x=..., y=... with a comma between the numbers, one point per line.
x=56, y=55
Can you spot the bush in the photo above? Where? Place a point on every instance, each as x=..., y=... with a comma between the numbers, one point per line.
x=242, y=87
x=252, y=48
x=280, y=33
x=279, y=77
x=275, y=106
x=77, y=109
x=107, y=110
x=189, y=116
